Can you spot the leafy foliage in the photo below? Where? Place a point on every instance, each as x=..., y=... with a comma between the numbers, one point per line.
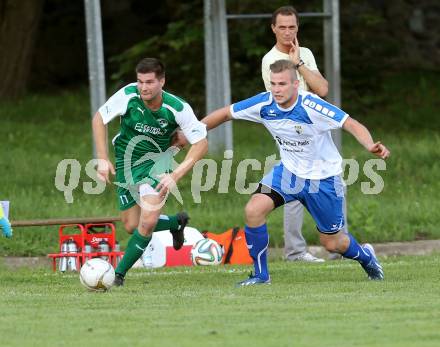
x=180, y=47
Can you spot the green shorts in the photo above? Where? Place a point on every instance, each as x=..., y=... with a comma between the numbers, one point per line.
x=125, y=199
x=128, y=194
x=147, y=172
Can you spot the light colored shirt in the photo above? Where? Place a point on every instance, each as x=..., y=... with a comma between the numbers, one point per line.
x=302, y=131
x=274, y=54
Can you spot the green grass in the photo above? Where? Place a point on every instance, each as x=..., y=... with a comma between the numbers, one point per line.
x=41, y=130
x=330, y=304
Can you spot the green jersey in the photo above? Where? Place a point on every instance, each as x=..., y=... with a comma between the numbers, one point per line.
x=142, y=146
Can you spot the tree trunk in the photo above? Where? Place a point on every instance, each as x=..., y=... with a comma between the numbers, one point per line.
x=18, y=27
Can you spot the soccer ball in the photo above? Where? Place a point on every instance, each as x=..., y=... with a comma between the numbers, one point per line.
x=206, y=252
x=97, y=274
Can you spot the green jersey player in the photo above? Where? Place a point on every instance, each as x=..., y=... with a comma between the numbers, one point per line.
x=144, y=172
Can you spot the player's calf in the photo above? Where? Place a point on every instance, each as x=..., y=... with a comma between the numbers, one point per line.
x=365, y=256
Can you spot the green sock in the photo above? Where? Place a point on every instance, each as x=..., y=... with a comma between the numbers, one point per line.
x=135, y=248
x=167, y=223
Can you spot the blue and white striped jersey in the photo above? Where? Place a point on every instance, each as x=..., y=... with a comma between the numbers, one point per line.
x=302, y=131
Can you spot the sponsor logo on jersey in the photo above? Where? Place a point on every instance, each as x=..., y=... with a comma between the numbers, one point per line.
x=142, y=111
x=292, y=146
x=162, y=122
x=271, y=112
x=148, y=129
x=292, y=143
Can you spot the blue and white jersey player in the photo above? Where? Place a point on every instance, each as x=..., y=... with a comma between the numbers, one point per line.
x=309, y=170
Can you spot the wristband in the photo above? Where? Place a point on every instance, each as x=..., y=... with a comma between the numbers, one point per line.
x=301, y=63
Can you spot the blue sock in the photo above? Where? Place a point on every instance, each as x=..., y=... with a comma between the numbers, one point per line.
x=356, y=252
x=257, y=240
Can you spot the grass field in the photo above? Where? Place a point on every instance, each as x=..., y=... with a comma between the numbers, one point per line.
x=330, y=304
x=39, y=131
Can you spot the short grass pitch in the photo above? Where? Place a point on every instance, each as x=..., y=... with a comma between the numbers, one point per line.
x=330, y=304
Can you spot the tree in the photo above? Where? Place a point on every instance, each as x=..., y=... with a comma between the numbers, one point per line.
x=18, y=28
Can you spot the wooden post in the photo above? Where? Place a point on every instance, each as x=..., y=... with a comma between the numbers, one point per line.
x=59, y=221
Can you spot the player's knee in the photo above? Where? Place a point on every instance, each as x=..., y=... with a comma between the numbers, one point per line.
x=249, y=211
x=253, y=212
x=129, y=225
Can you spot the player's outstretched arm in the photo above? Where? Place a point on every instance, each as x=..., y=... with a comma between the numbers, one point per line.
x=217, y=117
x=195, y=153
x=361, y=133
x=100, y=138
x=212, y=120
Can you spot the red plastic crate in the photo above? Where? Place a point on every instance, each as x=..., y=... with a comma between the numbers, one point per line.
x=91, y=234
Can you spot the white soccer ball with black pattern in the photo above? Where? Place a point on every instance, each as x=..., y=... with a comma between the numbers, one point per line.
x=206, y=252
x=97, y=274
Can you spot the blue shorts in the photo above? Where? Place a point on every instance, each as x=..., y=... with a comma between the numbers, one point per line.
x=322, y=198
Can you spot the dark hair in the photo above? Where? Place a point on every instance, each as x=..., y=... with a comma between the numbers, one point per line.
x=147, y=65
x=285, y=11
x=281, y=65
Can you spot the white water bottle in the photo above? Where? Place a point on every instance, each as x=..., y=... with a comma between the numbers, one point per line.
x=104, y=247
x=63, y=259
x=147, y=257
x=71, y=261
x=117, y=249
